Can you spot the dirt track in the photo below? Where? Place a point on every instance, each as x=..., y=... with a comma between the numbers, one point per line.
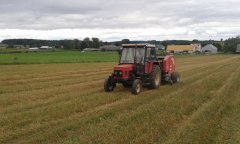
x=65, y=103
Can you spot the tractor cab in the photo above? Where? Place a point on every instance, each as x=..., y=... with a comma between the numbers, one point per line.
x=138, y=66
x=136, y=53
x=135, y=58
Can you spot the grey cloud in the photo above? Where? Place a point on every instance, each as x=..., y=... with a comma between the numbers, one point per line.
x=32, y=14
x=193, y=15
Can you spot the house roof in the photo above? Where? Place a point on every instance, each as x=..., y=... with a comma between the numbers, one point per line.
x=3, y=45
x=19, y=45
x=45, y=47
x=138, y=45
x=91, y=49
x=110, y=47
x=209, y=46
x=160, y=46
x=180, y=48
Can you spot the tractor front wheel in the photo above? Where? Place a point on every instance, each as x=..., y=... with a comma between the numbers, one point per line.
x=136, y=87
x=175, y=77
x=109, y=84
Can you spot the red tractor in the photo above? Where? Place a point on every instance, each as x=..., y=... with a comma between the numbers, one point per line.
x=140, y=66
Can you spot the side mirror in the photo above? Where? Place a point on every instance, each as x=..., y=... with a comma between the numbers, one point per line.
x=119, y=52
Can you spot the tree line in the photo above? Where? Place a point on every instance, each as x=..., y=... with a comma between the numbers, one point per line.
x=228, y=45
x=231, y=44
x=65, y=44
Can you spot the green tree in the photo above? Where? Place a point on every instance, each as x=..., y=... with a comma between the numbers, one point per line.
x=230, y=44
x=96, y=42
x=77, y=44
x=165, y=44
x=195, y=41
x=86, y=43
x=218, y=45
x=153, y=42
x=125, y=41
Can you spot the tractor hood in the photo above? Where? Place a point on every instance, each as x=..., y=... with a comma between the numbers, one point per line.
x=123, y=71
x=124, y=67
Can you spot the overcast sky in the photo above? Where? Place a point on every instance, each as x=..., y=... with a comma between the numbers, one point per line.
x=112, y=20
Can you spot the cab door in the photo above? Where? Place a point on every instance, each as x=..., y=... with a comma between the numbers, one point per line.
x=149, y=63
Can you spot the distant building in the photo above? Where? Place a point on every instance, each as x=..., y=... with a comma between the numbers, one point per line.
x=3, y=46
x=182, y=48
x=21, y=46
x=238, y=48
x=160, y=47
x=209, y=49
x=34, y=48
x=197, y=47
x=110, y=48
x=45, y=47
x=90, y=49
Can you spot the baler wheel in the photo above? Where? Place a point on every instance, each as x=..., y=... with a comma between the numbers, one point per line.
x=175, y=77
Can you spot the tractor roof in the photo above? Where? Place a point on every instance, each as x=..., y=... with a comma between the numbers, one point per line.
x=138, y=45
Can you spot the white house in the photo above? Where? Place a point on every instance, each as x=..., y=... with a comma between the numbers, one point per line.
x=45, y=47
x=34, y=48
x=91, y=49
x=110, y=48
x=197, y=47
x=3, y=46
x=209, y=49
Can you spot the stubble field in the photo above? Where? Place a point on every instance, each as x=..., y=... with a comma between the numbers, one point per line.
x=65, y=103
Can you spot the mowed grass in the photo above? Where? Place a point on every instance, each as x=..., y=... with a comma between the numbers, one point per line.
x=65, y=103
x=57, y=57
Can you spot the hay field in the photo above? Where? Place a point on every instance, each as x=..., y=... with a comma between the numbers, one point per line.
x=65, y=103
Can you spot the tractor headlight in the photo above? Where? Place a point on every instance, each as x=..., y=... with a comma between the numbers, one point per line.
x=118, y=73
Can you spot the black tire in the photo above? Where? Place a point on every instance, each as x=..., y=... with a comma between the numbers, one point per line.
x=108, y=85
x=155, y=77
x=136, y=87
x=126, y=85
x=175, y=77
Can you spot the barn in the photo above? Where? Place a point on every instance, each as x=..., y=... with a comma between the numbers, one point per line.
x=3, y=46
x=181, y=48
x=110, y=48
x=90, y=49
x=209, y=49
x=238, y=48
x=160, y=47
x=45, y=47
x=21, y=46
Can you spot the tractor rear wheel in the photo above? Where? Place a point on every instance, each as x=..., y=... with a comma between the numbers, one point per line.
x=136, y=87
x=155, y=77
x=175, y=77
x=109, y=85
